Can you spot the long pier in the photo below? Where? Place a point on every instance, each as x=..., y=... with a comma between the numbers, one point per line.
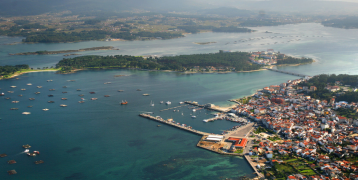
x=286, y=72
x=203, y=106
x=174, y=124
x=173, y=107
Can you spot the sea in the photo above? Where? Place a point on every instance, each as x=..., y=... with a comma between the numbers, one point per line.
x=102, y=139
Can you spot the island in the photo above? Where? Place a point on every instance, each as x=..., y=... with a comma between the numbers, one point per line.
x=204, y=43
x=66, y=51
x=346, y=23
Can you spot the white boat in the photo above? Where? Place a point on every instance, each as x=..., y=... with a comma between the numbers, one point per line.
x=45, y=109
x=27, y=150
x=193, y=116
x=49, y=80
x=29, y=84
x=161, y=102
x=168, y=102
x=26, y=113
x=63, y=105
x=13, y=86
x=39, y=86
x=181, y=102
x=194, y=110
x=151, y=103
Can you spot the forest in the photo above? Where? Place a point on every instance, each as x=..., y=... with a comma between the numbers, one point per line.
x=293, y=60
x=231, y=29
x=254, y=23
x=196, y=28
x=321, y=81
x=9, y=70
x=237, y=60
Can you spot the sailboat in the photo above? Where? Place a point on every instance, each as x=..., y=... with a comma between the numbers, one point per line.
x=151, y=103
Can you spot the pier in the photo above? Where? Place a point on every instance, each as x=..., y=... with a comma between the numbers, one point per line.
x=174, y=124
x=285, y=72
x=248, y=159
x=173, y=107
x=193, y=103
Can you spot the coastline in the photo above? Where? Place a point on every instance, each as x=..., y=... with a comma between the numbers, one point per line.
x=32, y=71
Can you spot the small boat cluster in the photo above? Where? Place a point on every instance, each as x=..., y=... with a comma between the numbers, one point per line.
x=28, y=153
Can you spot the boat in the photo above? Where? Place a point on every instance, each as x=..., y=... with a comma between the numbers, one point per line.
x=29, y=106
x=64, y=92
x=13, y=86
x=151, y=103
x=81, y=95
x=181, y=102
x=2, y=94
x=26, y=113
x=194, y=110
x=145, y=94
x=80, y=101
x=63, y=105
x=10, y=91
x=50, y=101
x=7, y=98
x=39, y=162
x=27, y=150
x=37, y=92
x=78, y=89
x=92, y=92
x=106, y=95
x=161, y=102
x=14, y=108
x=64, y=86
x=20, y=95
x=193, y=116
x=31, y=99
x=27, y=146
x=29, y=84
x=49, y=80
x=168, y=102
x=51, y=89
x=138, y=89
x=23, y=89
x=64, y=98
x=93, y=98
x=45, y=109
x=39, y=86
x=124, y=102
x=158, y=125
x=15, y=101
x=107, y=83
x=50, y=95
x=120, y=90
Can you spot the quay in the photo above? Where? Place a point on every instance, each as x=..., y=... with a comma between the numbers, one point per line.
x=286, y=72
x=174, y=124
x=248, y=159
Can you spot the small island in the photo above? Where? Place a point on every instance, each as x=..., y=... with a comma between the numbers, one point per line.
x=66, y=51
x=204, y=43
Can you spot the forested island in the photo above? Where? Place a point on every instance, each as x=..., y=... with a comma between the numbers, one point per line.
x=347, y=23
x=66, y=51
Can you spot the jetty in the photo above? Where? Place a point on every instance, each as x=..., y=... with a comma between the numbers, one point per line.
x=169, y=122
x=207, y=106
x=286, y=72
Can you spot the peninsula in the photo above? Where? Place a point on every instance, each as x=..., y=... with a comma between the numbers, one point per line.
x=66, y=51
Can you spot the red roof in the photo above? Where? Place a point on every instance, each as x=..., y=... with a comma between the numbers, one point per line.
x=241, y=143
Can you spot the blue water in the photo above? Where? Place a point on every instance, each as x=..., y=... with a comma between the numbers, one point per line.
x=105, y=140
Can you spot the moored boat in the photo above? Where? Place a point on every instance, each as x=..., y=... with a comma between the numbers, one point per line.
x=63, y=105
x=63, y=98
x=29, y=84
x=26, y=113
x=80, y=101
x=120, y=90
x=106, y=95
x=78, y=89
x=45, y=109
x=124, y=102
x=23, y=89
x=50, y=101
x=168, y=102
x=93, y=98
x=92, y=92
x=31, y=99
x=39, y=86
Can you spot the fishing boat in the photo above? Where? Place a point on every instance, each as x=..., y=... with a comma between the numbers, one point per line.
x=23, y=89
x=2, y=94
x=78, y=89
x=14, y=108
x=39, y=86
x=37, y=92
x=51, y=89
x=80, y=101
x=120, y=90
x=10, y=91
x=26, y=113
x=29, y=106
x=193, y=116
x=49, y=80
x=20, y=95
x=7, y=98
x=64, y=98
x=15, y=101
x=27, y=150
x=181, y=102
x=81, y=95
x=63, y=105
x=151, y=103
x=50, y=101
x=107, y=83
x=161, y=102
x=106, y=95
x=92, y=92
x=29, y=84
x=13, y=86
x=45, y=109
x=50, y=95
x=145, y=94
x=64, y=86
x=31, y=99
x=93, y=99
x=168, y=102
x=124, y=102
x=64, y=92
x=138, y=89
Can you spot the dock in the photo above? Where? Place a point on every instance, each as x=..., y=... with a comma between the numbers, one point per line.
x=248, y=159
x=193, y=103
x=174, y=124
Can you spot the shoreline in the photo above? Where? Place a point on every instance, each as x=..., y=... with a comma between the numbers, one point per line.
x=32, y=71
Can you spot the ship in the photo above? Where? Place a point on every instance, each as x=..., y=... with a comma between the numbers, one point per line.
x=63, y=105
x=168, y=102
x=92, y=92
x=45, y=109
x=124, y=102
